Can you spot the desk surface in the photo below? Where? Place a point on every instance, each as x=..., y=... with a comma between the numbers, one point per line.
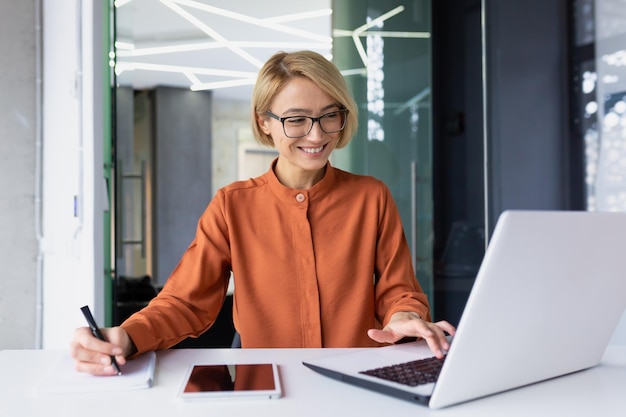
x=596, y=391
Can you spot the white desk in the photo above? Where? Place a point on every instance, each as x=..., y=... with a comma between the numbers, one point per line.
x=600, y=391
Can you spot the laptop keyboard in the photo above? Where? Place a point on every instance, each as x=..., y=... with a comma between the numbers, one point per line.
x=411, y=373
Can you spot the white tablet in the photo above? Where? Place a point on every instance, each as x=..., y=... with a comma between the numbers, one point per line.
x=238, y=381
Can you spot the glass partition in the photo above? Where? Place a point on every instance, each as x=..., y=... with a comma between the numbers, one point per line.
x=383, y=49
x=600, y=92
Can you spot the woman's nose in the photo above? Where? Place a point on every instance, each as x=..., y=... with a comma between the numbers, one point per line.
x=316, y=133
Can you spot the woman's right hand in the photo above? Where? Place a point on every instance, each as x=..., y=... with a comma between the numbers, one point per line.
x=92, y=355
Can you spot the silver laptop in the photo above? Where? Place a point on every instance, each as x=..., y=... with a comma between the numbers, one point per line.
x=547, y=298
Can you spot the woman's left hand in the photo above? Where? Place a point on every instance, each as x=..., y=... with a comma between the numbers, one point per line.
x=408, y=324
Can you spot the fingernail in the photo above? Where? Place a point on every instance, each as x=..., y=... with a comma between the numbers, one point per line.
x=104, y=361
x=117, y=351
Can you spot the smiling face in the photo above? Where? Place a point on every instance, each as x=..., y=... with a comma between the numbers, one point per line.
x=301, y=161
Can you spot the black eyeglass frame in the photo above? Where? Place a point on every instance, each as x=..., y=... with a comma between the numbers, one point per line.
x=313, y=120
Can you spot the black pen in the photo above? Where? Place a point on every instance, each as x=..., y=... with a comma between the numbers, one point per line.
x=97, y=333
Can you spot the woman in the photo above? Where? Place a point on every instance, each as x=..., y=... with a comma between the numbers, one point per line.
x=318, y=255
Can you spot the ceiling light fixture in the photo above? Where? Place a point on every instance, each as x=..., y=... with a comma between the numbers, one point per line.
x=191, y=11
x=199, y=46
x=390, y=34
x=354, y=71
x=124, y=46
x=413, y=100
x=356, y=33
x=131, y=66
x=265, y=23
x=223, y=84
x=342, y=33
x=299, y=16
x=210, y=32
x=157, y=50
x=120, y=3
x=192, y=77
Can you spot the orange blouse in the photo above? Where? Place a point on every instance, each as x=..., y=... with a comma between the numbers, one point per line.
x=312, y=268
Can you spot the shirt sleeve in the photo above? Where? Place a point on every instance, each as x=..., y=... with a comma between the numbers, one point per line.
x=194, y=293
x=397, y=288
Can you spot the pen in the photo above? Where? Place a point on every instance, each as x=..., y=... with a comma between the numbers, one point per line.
x=97, y=333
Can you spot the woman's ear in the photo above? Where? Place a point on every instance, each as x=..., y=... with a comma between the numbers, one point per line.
x=264, y=123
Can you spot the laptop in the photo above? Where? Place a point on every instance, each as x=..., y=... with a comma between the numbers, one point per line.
x=547, y=297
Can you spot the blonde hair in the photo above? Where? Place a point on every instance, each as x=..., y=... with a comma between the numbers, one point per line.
x=282, y=67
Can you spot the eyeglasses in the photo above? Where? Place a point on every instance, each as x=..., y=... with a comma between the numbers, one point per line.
x=300, y=126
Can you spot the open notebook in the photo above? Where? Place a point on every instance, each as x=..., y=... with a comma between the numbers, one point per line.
x=548, y=295
x=137, y=373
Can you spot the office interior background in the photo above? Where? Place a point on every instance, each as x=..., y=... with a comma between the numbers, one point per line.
x=468, y=108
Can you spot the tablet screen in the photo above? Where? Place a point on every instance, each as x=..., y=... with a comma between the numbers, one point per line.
x=240, y=380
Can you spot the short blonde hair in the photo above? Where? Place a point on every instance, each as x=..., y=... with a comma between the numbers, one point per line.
x=282, y=67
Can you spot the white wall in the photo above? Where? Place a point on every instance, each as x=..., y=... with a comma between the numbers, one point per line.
x=18, y=128
x=73, y=188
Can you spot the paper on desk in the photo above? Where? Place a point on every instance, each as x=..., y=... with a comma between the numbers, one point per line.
x=63, y=378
